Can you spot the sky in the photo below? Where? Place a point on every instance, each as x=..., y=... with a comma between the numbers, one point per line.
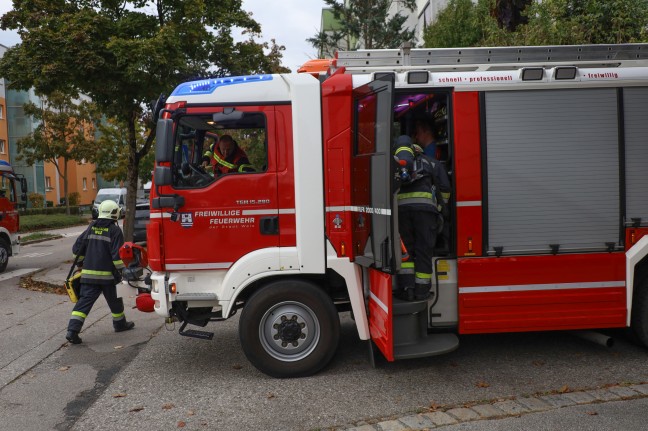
x=289, y=22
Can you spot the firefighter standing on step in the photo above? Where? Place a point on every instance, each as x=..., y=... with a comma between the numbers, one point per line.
x=423, y=181
x=98, y=251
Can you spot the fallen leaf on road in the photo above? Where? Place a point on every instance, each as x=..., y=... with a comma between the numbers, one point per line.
x=8, y=314
x=482, y=384
x=538, y=363
x=64, y=368
x=592, y=413
x=237, y=366
x=168, y=406
x=137, y=409
x=118, y=347
x=564, y=389
x=181, y=424
x=119, y=395
x=271, y=395
x=191, y=413
x=434, y=407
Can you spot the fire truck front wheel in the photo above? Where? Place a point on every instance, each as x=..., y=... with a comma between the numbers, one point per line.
x=4, y=254
x=289, y=328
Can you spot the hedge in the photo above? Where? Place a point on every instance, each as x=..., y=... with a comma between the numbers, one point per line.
x=78, y=210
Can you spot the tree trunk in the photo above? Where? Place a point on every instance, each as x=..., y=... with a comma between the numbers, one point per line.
x=65, y=186
x=131, y=179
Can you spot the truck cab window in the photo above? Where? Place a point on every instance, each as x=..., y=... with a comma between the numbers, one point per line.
x=206, y=150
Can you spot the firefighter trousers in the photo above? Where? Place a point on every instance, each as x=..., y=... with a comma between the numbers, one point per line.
x=418, y=230
x=88, y=294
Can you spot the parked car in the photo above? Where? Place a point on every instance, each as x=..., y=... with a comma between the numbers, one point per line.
x=115, y=194
x=142, y=213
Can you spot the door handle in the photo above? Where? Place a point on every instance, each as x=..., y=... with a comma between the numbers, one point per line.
x=269, y=225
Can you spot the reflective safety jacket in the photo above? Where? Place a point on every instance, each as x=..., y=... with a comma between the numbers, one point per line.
x=236, y=162
x=98, y=251
x=427, y=188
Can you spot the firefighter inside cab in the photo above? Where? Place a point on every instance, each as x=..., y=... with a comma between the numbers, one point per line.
x=425, y=189
x=224, y=156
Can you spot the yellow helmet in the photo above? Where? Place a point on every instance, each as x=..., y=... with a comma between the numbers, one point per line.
x=109, y=209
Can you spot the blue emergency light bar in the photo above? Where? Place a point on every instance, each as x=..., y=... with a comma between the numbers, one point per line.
x=207, y=86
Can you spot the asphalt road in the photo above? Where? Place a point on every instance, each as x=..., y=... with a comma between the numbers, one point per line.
x=154, y=379
x=210, y=385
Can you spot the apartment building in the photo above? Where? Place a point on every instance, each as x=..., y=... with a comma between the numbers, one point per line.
x=42, y=177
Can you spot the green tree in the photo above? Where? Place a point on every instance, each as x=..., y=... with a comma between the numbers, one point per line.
x=465, y=23
x=109, y=156
x=457, y=25
x=365, y=23
x=549, y=22
x=123, y=54
x=64, y=132
x=562, y=22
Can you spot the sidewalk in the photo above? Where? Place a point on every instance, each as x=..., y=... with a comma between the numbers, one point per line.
x=492, y=415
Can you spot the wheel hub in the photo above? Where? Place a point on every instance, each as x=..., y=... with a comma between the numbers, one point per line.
x=289, y=331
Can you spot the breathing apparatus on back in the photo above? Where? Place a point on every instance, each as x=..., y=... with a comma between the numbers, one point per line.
x=408, y=158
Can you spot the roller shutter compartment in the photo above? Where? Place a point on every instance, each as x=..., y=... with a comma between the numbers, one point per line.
x=552, y=170
x=635, y=101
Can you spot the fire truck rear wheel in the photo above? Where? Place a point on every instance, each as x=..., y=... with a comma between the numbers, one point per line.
x=289, y=329
x=639, y=320
x=4, y=254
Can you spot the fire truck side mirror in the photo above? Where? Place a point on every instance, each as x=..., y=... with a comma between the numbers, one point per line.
x=164, y=141
x=23, y=189
x=162, y=176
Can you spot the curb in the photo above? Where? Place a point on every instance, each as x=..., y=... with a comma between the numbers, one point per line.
x=504, y=408
x=36, y=241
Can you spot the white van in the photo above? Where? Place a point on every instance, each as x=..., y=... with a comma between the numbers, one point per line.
x=117, y=194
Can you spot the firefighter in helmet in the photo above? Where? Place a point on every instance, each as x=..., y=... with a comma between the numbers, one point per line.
x=98, y=251
x=424, y=185
x=225, y=156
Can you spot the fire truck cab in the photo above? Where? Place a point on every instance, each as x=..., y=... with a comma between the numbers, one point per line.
x=9, y=218
x=545, y=149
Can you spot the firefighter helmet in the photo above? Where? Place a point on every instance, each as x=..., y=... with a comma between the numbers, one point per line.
x=109, y=210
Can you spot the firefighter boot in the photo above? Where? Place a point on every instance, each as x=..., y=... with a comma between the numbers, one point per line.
x=421, y=292
x=123, y=325
x=405, y=290
x=73, y=337
x=406, y=294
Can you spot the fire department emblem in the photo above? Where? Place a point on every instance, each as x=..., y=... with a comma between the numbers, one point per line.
x=186, y=220
x=337, y=221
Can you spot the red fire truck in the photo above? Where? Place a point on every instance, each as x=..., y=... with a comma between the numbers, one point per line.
x=546, y=151
x=9, y=218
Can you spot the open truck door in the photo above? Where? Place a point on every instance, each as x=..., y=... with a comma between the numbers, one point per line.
x=373, y=199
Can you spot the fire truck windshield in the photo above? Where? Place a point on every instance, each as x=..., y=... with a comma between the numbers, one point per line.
x=7, y=187
x=206, y=149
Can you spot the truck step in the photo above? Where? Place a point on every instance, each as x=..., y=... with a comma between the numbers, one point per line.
x=429, y=345
x=195, y=333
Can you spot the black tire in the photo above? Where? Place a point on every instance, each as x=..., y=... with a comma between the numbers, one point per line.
x=5, y=251
x=289, y=328
x=639, y=320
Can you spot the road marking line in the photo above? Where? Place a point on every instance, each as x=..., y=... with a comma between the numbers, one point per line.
x=34, y=255
x=17, y=273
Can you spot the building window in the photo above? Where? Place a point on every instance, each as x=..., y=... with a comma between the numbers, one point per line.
x=94, y=184
x=1, y=112
x=2, y=146
x=85, y=184
x=48, y=183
